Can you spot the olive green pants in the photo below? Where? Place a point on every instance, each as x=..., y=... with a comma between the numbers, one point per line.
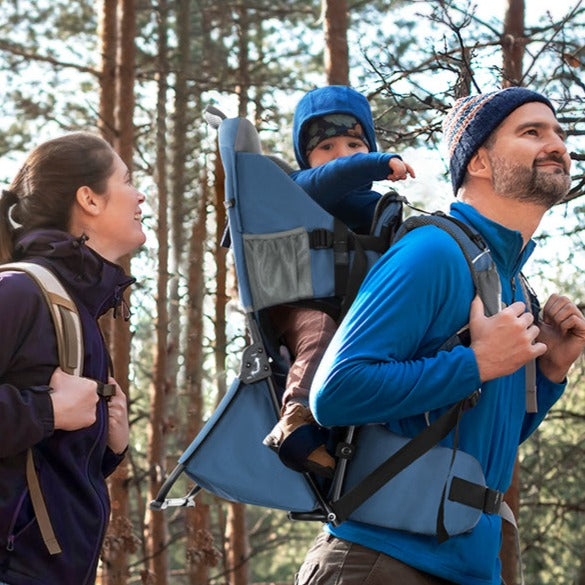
x=332, y=561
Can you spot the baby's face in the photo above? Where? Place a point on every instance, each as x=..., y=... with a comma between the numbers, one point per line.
x=335, y=147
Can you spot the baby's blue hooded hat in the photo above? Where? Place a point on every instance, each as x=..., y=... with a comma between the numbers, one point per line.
x=332, y=99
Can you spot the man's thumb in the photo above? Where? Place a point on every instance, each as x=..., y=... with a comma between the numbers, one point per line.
x=476, y=311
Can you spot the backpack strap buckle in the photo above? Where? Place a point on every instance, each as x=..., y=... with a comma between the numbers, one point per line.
x=320, y=238
x=476, y=495
x=492, y=501
x=105, y=390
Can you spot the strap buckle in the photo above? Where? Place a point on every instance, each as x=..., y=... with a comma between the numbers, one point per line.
x=320, y=238
x=492, y=501
x=105, y=390
x=472, y=400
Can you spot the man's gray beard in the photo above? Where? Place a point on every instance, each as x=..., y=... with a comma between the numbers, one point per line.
x=533, y=185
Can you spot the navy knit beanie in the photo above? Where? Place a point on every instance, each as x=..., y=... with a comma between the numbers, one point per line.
x=472, y=119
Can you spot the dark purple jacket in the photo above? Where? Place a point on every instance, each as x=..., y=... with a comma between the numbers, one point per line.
x=71, y=466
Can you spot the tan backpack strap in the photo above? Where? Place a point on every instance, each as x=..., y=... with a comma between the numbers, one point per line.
x=70, y=349
x=39, y=506
x=63, y=312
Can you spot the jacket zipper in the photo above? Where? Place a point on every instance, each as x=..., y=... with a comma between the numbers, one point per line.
x=103, y=506
x=11, y=535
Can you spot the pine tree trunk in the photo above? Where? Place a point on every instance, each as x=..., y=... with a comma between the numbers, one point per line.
x=157, y=528
x=243, y=85
x=116, y=122
x=513, y=53
x=237, y=545
x=335, y=23
x=108, y=47
x=513, y=43
x=177, y=208
x=221, y=297
x=197, y=519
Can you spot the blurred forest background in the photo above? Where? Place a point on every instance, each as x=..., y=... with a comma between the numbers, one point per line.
x=141, y=73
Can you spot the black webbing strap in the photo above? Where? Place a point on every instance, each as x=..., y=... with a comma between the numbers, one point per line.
x=462, y=337
x=476, y=496
x=340, y=256
x=355, y=277
x=320, y=238
x=409, y=453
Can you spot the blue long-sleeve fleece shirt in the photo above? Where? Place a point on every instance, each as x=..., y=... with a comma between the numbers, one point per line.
x=382, y=366
x=343, y=187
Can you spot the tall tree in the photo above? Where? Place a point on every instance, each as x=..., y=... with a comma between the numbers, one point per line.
x=199, y=542
x=237, y=545
x=157, y=526
x=513, y=44
x=108, y=48
x=116, y=122
x=335, y=24
x=119, y=539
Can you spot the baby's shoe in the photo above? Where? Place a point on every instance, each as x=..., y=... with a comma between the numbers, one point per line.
x=300, y=441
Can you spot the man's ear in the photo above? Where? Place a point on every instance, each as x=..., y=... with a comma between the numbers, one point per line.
x=88, y=200
x=480, y=166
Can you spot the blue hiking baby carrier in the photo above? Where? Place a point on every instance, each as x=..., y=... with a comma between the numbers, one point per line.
x=288, y=249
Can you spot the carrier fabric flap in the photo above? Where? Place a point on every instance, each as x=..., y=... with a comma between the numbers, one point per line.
x=227, y=457
x=263, y=204
x=410, y=500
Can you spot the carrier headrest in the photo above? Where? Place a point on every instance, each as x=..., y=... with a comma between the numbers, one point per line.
x=247, y=139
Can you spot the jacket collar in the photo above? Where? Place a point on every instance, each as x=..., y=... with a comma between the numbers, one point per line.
x=94, y=281
x=506, y=245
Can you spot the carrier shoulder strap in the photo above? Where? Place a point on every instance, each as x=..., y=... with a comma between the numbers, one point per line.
x=70, y=349
x=485, y=280
x=530, y=368
x=482, y=268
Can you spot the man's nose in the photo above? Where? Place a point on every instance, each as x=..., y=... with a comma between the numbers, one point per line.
x=556, y=143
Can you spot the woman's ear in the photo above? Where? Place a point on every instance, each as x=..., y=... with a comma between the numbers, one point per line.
x=480, y=166
x=88, y=200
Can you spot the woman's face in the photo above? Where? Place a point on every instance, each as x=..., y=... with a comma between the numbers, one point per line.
x=118, y=227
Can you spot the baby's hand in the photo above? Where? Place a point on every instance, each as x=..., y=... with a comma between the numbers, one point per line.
x=399, y=170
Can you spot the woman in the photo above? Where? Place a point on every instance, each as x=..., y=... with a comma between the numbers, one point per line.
x=73, y=209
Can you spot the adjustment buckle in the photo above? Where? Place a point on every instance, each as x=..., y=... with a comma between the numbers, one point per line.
x=320, y=238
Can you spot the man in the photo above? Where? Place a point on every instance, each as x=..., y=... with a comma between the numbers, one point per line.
x=509, y=165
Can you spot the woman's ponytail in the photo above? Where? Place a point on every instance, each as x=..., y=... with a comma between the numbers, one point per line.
x=8, y=204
